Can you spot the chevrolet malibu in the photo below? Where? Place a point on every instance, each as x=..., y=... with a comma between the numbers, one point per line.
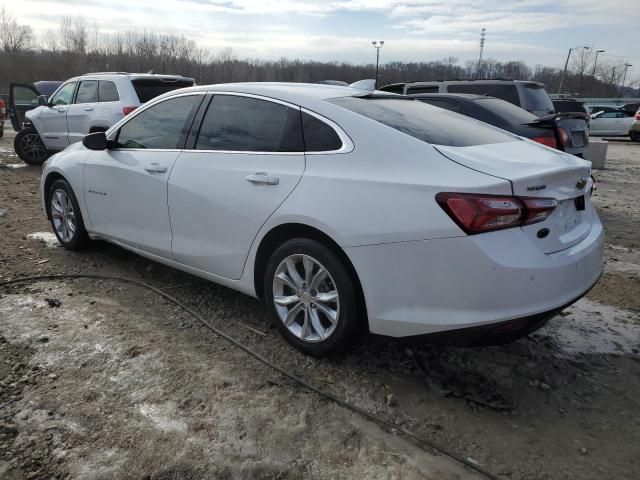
x=341, y=208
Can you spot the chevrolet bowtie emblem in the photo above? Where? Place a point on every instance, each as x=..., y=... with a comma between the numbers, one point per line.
x=581, y=183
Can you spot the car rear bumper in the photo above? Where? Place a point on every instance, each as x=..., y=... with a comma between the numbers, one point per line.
x=422, y=287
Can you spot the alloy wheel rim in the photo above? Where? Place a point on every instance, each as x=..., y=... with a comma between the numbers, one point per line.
x=63, y=215
x=306, y=298
x=33, y=147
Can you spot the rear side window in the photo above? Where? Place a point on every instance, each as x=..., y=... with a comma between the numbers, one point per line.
x=393, y=88
x=149, y=88
x=243, y=124
x=161, y=126
x=424, y=89
x=424, y=122
x=107, y=91
x=87, y=92
x=505, y=91
x=318, y=136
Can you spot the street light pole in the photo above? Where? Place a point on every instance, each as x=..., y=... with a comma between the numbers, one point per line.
x=593, y=75
x=566, y=64
x=624, y=77
x=377, y=45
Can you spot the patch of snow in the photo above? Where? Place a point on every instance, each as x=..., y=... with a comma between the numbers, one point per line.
x=48, y=238
x=15, y=165
x=160, y=416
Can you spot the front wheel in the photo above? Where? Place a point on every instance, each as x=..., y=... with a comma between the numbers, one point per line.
x=65, y=215
x=29, y=146
x=311, y=296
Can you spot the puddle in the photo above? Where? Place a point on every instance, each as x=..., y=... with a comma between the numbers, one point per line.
x=593, y=328
x=48, y=238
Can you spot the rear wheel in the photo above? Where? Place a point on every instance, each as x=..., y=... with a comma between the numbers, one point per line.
x=29, y=146
x=65, y=215
x=635, y=136
x=311, y=296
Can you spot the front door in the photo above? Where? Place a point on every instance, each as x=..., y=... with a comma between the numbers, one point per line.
x=246, y=160
x=22, y=98
x=125, y=187
x=51, y=121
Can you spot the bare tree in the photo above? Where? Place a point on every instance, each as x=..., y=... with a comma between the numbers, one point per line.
x=13, y=37
x=74, y=34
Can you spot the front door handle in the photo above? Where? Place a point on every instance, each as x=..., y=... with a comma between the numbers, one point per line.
x=88, y=109
x=155, y=168
x=61, y=110
x=262, y=178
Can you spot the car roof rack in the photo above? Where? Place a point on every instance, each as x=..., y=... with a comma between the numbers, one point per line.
x=106, y=73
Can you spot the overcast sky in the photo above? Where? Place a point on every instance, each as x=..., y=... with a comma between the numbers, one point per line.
x=536, y=31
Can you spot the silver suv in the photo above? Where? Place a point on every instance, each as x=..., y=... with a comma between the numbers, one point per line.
x=525, y=94
x=81, y=105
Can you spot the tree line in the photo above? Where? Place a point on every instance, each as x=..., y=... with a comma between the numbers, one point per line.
x=78, y=47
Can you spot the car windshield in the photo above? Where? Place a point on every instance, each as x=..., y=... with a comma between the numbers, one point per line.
x=507, y=111
x=149, y=88
x=536, y=97
x=424, y=122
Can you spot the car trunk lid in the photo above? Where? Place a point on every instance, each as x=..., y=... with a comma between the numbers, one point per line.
x=536, y=171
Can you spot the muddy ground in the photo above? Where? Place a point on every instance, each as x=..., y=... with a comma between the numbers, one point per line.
x=101, y=380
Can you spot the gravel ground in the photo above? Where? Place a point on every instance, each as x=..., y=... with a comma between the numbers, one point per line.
x=101, y=380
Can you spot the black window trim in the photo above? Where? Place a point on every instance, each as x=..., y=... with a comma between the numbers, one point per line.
x=347, y=144
x=112, y=136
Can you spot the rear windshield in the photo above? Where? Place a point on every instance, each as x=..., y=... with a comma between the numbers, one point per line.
x=149, y=88
x=424, y=122
x=507, y=111
x=536, y=98
x=505, y=91
x=564, y=107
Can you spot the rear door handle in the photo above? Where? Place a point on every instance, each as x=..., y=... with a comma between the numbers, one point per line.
x=155, y=168
x=262, y=178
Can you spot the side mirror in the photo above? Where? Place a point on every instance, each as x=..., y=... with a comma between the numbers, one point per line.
x=43, y=101
x=95, y=141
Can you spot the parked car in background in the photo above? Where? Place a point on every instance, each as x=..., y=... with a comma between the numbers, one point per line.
x=566, y=132
x=93, y=102
x=343, y=209
x=634, y=131
x=631, y=107
x=528, y=95
x=615, y=124
x=601, y=108
x=570, y=105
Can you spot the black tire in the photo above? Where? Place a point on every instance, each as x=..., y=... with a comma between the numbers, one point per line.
x=1, y=131
x=29, y=146
x=79, y=239
x=339, y=278
x=635, y=136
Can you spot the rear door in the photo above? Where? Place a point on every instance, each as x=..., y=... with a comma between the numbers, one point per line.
x=80, y=113
x=247, y=158
x=22, y=98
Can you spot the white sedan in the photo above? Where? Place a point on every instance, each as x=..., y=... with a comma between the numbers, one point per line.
x=344, y=209
x=613, y=123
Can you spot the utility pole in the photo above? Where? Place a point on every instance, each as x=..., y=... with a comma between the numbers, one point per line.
x=377, y=45
x=483, y=35
x=566, y=64
x=593, y=75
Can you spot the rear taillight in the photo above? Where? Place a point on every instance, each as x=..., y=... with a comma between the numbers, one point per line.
x=128, y=110
x=548, y=141
x=478, y=213
x=564, y=136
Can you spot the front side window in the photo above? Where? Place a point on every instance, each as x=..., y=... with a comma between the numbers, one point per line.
x=163, y=125
x=244, y=124
x=424, y=122
x=107, y=91
x=64, y=96
x=87, y=92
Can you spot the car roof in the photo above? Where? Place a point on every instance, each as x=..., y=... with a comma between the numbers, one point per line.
x=290, y=92
x=131, y=76
x=453, y=96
